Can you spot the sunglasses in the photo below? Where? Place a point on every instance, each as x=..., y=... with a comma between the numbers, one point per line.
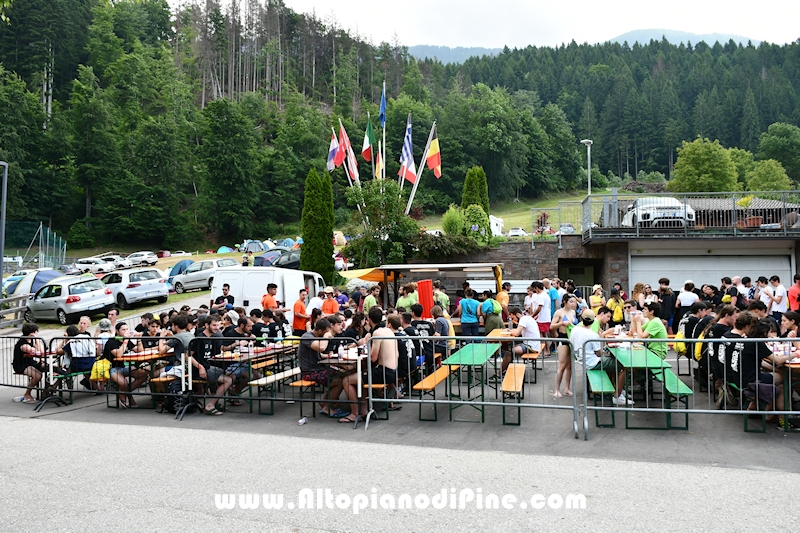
x=628, y=307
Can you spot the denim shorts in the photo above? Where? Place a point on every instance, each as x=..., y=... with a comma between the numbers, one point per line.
x=125, y=370
x=237, y=369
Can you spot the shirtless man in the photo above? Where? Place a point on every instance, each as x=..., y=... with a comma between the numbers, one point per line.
x=383, y=355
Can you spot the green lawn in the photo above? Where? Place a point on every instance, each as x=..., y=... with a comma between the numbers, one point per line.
x=518, y=214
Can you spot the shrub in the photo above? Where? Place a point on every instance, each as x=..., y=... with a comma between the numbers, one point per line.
x=476, y=224
x=80, y=236
x=476, y=190
x=453, y=221
x=317, y=226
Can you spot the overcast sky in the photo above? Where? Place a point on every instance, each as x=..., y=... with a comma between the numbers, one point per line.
x=519, y=23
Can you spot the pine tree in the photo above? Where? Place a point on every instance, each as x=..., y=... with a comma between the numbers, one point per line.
x=476, y=189
x=317, y=225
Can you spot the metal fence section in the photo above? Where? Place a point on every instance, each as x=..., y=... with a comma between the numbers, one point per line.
x=550, y=223
x=469, y=381
x=661, y=396
x=12, y=311
x=32, y=245
x=621, y=216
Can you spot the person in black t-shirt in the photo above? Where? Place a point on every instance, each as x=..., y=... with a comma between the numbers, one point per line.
x=425, y=331
x=259, y=329
x=120, y=373
x=225, y=302
x=150, y=337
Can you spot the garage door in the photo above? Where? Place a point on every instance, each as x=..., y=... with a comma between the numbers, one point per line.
x=708, y=269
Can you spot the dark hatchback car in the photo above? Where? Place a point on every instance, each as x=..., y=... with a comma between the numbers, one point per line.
x=290, y=259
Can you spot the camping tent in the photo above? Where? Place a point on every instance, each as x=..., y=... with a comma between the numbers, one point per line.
x=179, y=268
x=224, y=250
x=253, y=246
x=268, y=244
x=266, y=259
x=33, y=281
x=287, y=242
x=338, y=238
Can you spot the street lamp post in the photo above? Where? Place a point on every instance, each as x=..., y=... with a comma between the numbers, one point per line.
x=588, y=143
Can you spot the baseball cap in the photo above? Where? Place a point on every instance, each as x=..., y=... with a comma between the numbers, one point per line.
x=588, y=313
x=328, y=290
x=598, y=286
x=233, y=315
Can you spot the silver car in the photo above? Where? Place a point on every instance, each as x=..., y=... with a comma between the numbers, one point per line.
x=117, y=261
x=66, y=299
x=200, y=275
x=94, y=265
x=137, y=285
x=142, y=259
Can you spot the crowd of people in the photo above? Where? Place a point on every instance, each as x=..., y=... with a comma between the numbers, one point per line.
x=332, y=321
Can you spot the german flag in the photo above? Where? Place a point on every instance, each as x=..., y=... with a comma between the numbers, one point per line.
x=434, y=158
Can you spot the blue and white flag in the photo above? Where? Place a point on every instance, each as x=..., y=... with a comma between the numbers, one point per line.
x=332, y=153
x=407, y=168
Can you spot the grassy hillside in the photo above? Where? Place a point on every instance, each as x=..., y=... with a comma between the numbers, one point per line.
x=517, y=214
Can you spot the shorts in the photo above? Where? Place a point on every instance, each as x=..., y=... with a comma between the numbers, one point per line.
x=527, y=348
x=320, y=376
x=176, y=371
x=380, y=375
x=237, y=369
x=609, y=364
x=560, y=335
x=212, y=374
x=125, y=371
x=544, y=327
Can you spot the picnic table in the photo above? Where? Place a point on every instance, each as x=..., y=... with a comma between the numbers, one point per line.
x=473, y=358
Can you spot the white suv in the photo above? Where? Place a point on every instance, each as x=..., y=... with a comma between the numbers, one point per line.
x=143, y=259
x=200, y=275
x=658, y=212
x=94, y=265
x=117, y=261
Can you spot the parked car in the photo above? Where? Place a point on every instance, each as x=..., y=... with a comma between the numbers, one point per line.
x=290, y=259
x=137, y=285
x=517, y=232
x=67, y=298
x=163, y=253
x=658, y=212
x=200, y=275
x=142, y=259
x=117, y=261
x=95, y=265
x=181, y=253
x=566, y=228
x=70, y=270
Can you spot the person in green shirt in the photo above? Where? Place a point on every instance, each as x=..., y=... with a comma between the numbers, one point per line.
x=372, y=299
x=601, y=320
x=406, y=297
x=647, y=325
x=440, y=297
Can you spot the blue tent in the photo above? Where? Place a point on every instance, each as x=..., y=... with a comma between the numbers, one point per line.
x=299, y=240
x=224, y=250
x=33, y=281
x=179, y=268
x=287, y=242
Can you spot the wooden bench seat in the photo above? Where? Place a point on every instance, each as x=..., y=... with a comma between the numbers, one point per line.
x=532, y=357
x=163, y=379
x=600, y=384
x=269, y=382
x=280, y=376
x=511, y=388
x=427, y=387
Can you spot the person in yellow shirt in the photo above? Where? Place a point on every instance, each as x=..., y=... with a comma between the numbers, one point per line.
x=503, y=299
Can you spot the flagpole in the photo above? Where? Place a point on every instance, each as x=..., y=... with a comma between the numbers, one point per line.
x=357, y=181
x=383, y=171
x=420, y=167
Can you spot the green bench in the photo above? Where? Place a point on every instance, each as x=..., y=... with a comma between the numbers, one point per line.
x=761, y=405
x=600, y=384
x=676, y=390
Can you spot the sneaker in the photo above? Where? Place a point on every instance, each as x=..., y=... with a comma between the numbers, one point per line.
x=494, y=379
x=621, y=400
x=720, y=398
x=783, y=424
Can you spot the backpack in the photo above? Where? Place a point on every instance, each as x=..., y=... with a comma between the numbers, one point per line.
x=698, y=348
x=680, y=347
x=496, y=307
x=619, y=314
x=176, y=401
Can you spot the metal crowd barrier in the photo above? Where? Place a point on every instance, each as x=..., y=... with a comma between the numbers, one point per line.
x=473, y=379
x=660, y=389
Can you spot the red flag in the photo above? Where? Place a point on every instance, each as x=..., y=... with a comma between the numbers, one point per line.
x=344, y=144
x=352, y=164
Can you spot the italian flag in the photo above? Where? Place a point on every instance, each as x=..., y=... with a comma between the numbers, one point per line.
x=369, y=140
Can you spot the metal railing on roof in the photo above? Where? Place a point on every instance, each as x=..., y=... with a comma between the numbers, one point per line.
x=622, y=216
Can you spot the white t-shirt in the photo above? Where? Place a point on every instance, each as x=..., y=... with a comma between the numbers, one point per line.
x=764, y=295
x=687, y=298
x=529, y=303
x=530, y=329
x=561, y=292
x=581, y=334
x=314, y=303
x=544, y=299
x=781, y=307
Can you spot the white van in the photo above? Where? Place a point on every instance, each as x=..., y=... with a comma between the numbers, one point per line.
x=249, y=284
